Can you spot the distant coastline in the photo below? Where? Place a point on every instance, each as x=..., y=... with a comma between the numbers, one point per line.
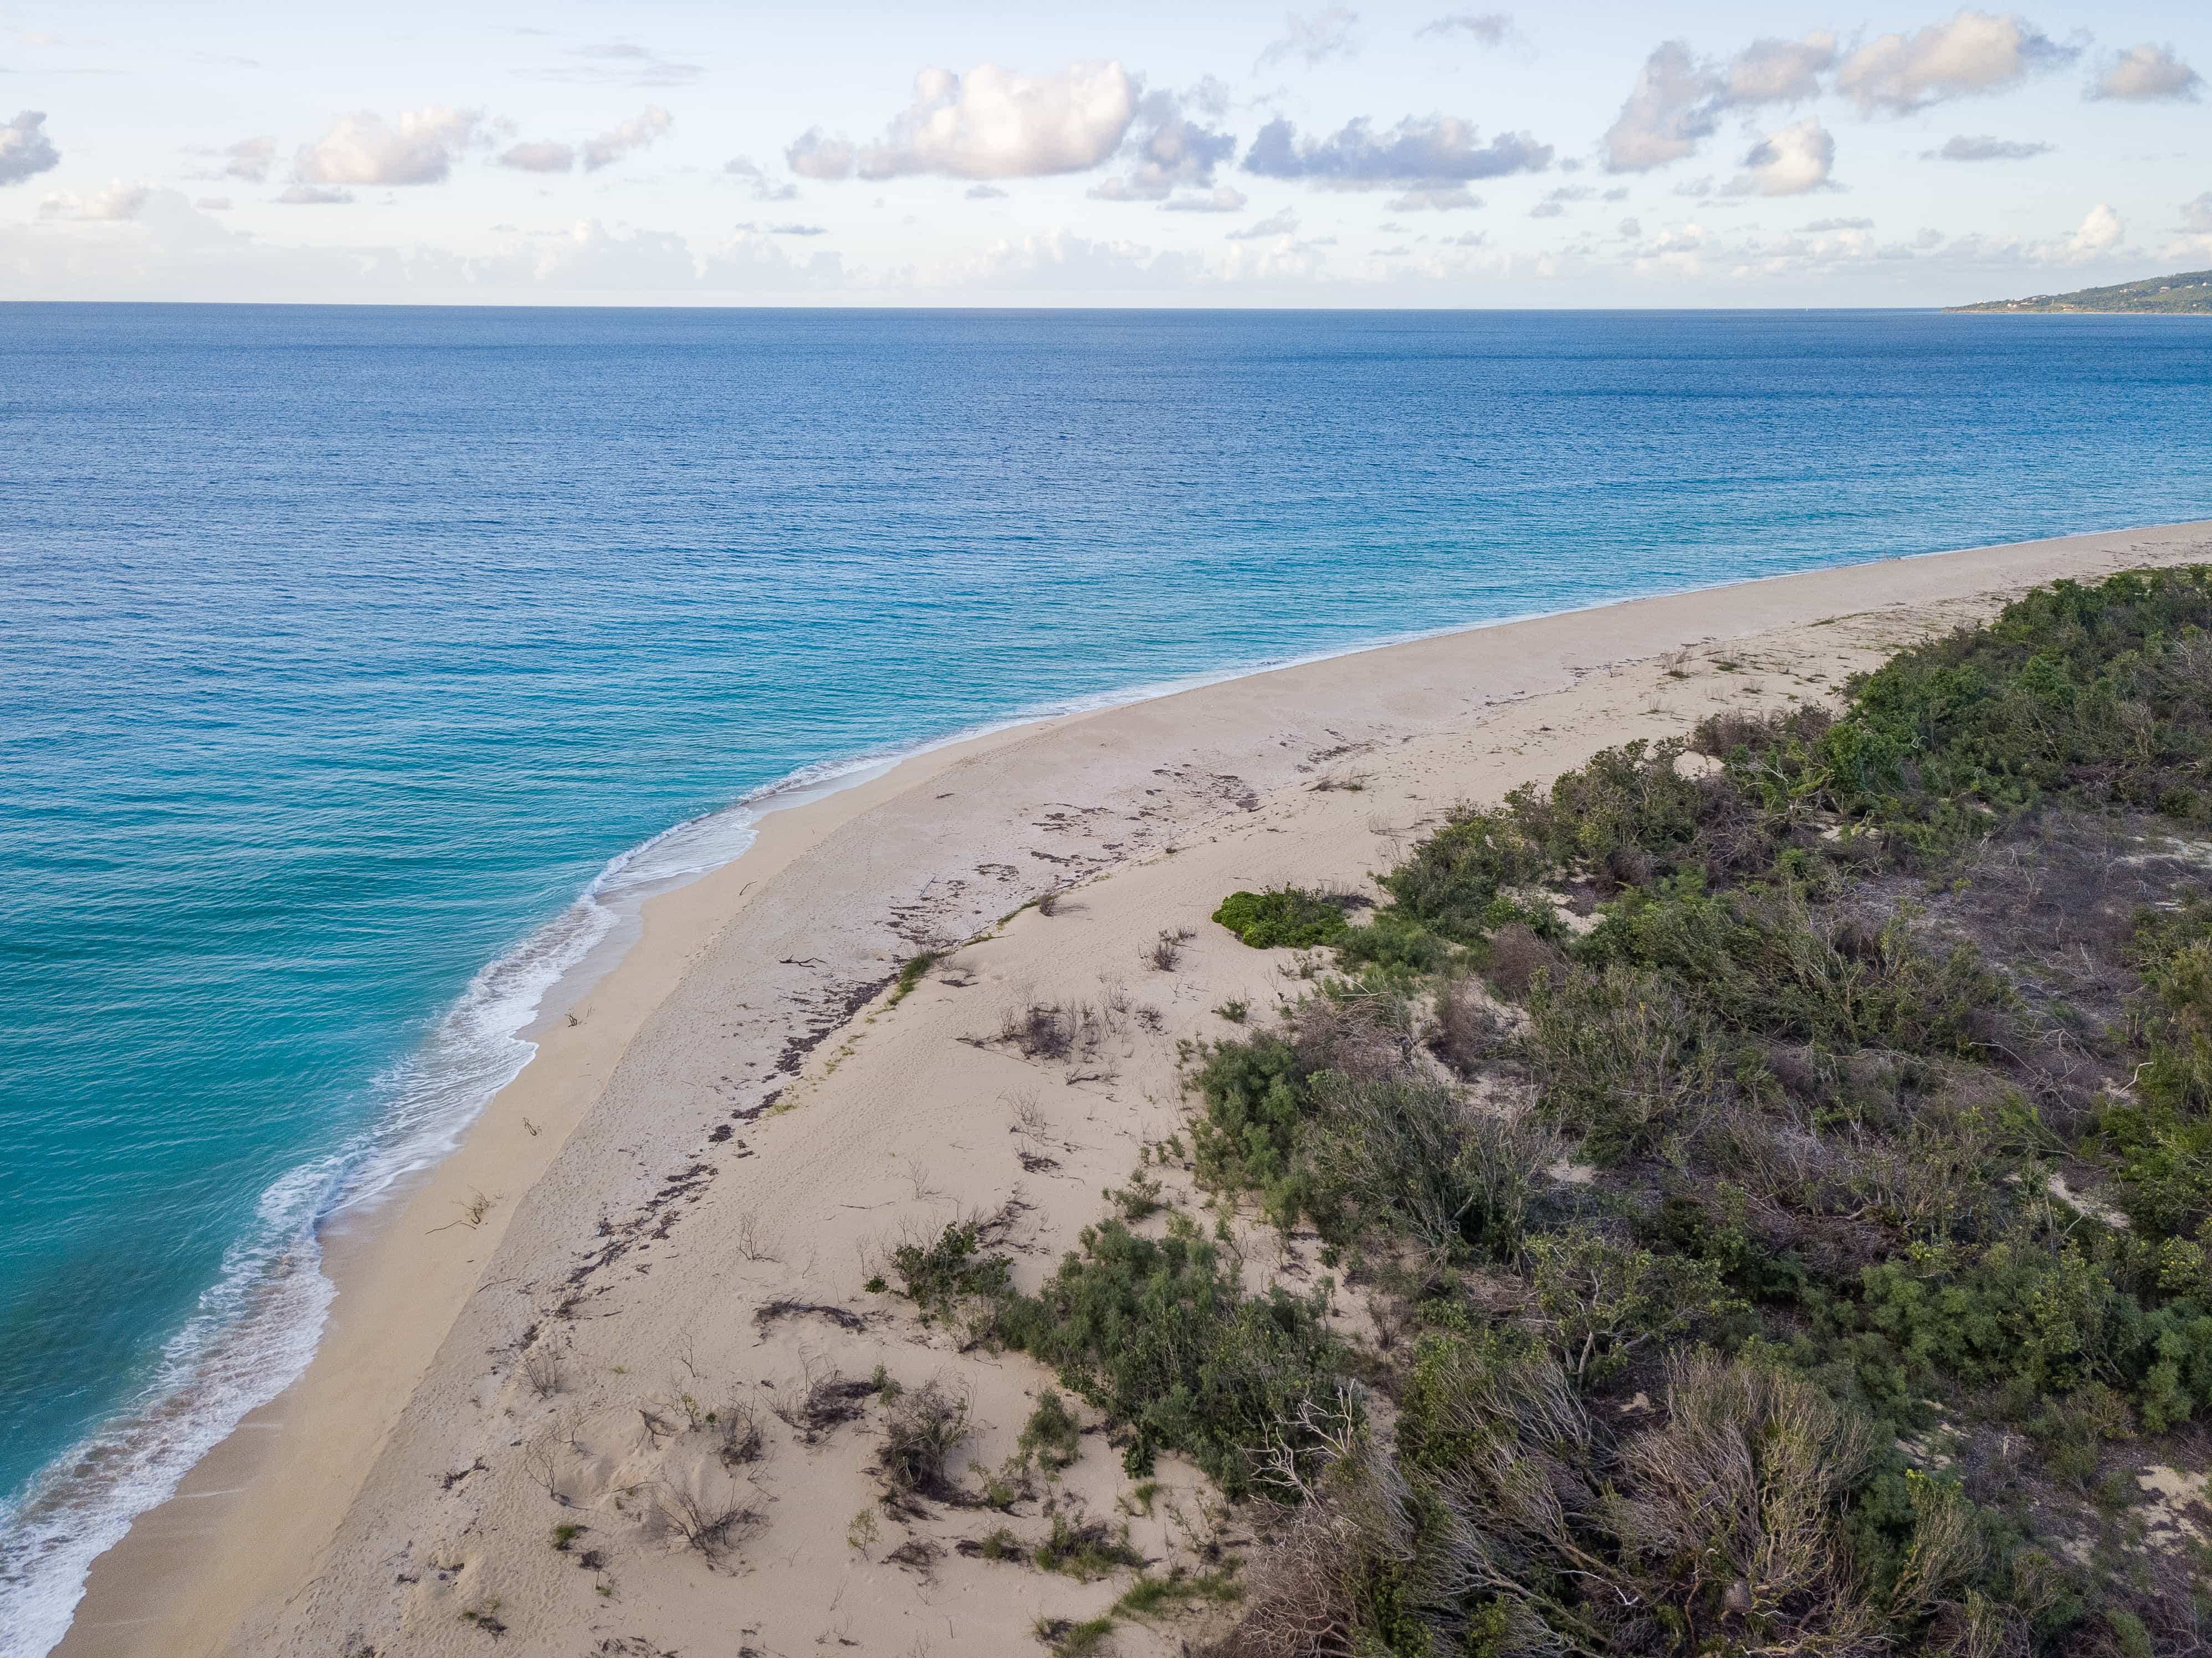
x=2188, y=294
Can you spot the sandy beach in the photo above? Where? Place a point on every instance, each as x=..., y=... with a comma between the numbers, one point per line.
x=678, y=1206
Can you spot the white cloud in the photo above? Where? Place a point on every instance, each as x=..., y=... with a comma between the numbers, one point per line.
x=250, y=159
x=417, y=149
x=1224, y=198
x=1440, y=151
x=2146, y=72
x=1787, y=162
x=1985, y=147
x=1324, y=35
x=1631, y=228
x=1452, y=198
x=120, y=201
x=984, y=194
x=1678, y=100
x=539, y=157
x=1285, y=224
x=813, y=155
x=2197, y=215
x=762, y=187
x=633, y=134
x=213, y=203
x=2099, y=230
x=1492, y=28
x=992, y=123
x=1546, y=211
x=25, y=149
x=1820, y=227
x=313, y=196
x=624, y=63
x=1165, y=148
x=1975, y=51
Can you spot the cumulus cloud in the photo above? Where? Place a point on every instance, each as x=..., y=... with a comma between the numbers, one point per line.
x=1492, y=28
x=1285, y=224
x=752, y=228
x=25, y=149
x=1631, y=228
x=1317, y=39
x=313, y=196
x=814, y=154
x=117, y=201
x=1975, y=51
x=632, y=135
x=1223, y=198
x=2146, y=72
x=249, y=159
x=2099, y=230
x=2197, y=215
x=416, y=149
x=1546, y=211
x=1822, y=226
x=985, y=193
x=991, y=123
x=1789, y=163
x=213, y=203
x=1985, y=147
x=1453, y=198
x=1440, y=151
x=1167, y=148
x=1680, y=99
x=539, y=157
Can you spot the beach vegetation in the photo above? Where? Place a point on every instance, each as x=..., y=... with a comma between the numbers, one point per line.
x=923, y=1427
x=1052, y=1435
x=912, y=972
x=1282, y=918
x=1773, y=1168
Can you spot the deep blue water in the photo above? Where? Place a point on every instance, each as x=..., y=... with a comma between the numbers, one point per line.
x=341, y=649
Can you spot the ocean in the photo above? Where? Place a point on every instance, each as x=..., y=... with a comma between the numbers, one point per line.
x=359, y=667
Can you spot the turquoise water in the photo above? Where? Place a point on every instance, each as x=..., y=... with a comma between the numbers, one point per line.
x=352, y=660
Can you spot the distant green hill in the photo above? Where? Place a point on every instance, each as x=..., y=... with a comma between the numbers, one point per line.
x=2190, y=291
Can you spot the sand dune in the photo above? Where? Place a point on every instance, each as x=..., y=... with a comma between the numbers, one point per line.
x=686, y=1193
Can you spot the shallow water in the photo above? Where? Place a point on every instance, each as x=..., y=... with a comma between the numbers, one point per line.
x=351, y=658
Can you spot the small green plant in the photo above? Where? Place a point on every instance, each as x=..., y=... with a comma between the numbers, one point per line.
x=1085, y=1549
x=911, y=973
x=1052, y=1435
x=949, y=1268
x=1234, y=1011
x=564, y=1535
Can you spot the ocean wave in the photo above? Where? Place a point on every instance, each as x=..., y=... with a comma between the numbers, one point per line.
x=254, y=1330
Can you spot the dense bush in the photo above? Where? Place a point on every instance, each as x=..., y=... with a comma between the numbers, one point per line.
x=1282, y=917
x=1158, y=1334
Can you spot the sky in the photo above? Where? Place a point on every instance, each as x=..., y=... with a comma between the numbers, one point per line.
x=1600, y=153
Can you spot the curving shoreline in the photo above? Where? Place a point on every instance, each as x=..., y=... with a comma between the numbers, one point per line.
x=738, y=980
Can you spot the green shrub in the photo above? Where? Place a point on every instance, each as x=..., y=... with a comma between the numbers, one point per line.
x=2097, y=690
x=1052, y=1435
x=1159, y=1335
x=1761, y=961
x=1282, y=918
x=1600, y=1301
x=1256, y=1098
x=2037, y=1322
x=1619, y=1054
x=949, y=1268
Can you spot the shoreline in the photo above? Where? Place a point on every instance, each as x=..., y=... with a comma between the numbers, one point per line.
x=254, y=1517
